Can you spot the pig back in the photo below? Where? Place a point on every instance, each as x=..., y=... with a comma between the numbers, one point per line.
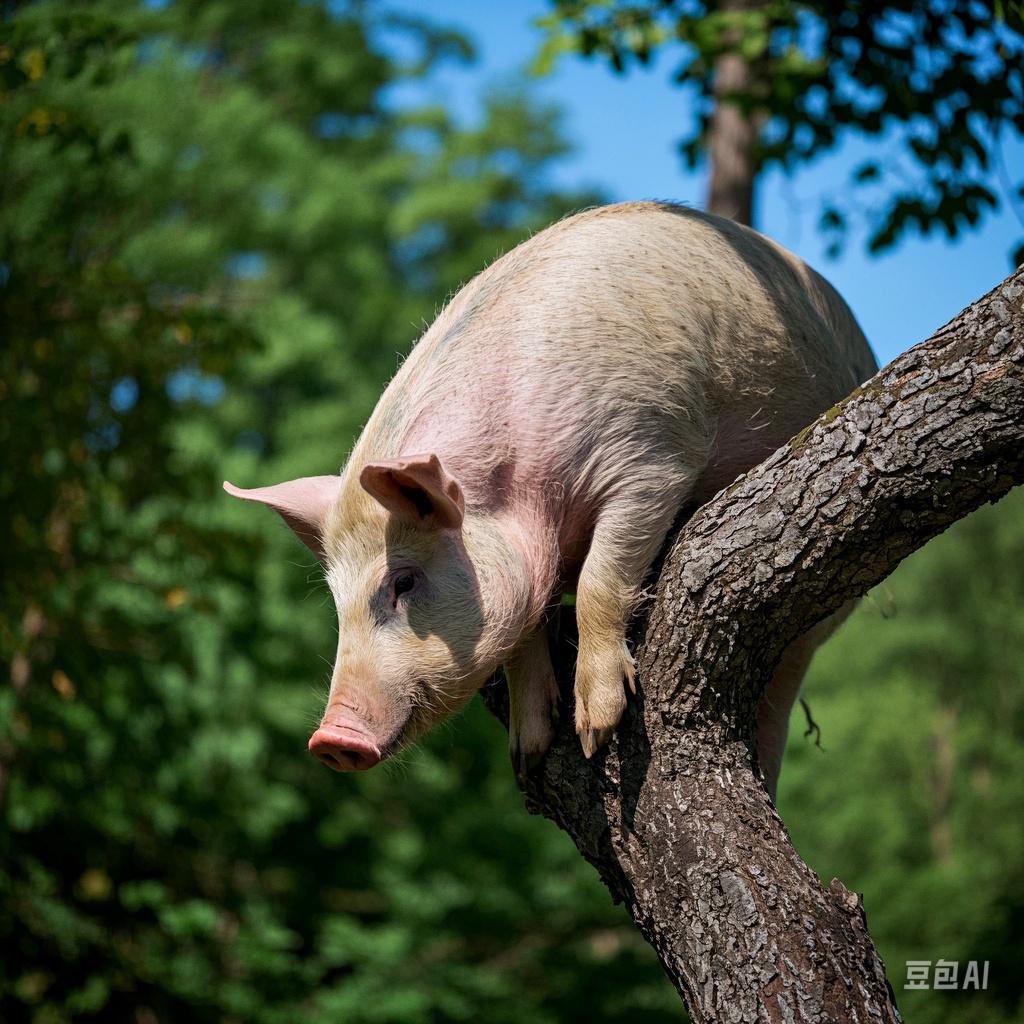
x=636, y=333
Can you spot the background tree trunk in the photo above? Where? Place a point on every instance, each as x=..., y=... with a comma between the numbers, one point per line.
x=732, y=135
x=673, y=814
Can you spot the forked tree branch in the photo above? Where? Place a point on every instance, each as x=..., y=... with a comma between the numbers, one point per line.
x=673, y=814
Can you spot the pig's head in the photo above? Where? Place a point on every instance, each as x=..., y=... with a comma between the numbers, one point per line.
x=430, y=599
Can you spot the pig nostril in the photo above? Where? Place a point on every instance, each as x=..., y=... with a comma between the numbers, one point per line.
x=343, y=751
x=340, y=760
x=331, y=760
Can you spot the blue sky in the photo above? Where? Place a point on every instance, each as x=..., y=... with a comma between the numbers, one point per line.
x=625, y=131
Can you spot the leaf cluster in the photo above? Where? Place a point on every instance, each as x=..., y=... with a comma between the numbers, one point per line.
x=935, y=88
x=219, y=231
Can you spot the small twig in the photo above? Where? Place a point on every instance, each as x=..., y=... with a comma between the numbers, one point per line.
x=813, y=729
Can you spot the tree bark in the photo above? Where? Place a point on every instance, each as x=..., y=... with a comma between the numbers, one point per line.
x=732, y=134
x=673, y=813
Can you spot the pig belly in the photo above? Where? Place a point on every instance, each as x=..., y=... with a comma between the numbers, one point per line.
x=742, y=441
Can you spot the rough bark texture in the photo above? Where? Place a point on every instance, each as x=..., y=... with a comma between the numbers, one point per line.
x=732, y=135
x=673, y=813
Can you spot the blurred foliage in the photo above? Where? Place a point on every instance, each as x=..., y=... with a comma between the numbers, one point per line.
x=219, y=229
x=936, y=87
x=916, y=799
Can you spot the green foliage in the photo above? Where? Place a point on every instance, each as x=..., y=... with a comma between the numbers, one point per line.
x=218, y=234
x=917, y=799
x=218, y=231
x=938, y=87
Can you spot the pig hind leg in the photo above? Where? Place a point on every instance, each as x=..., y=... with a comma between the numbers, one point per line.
x=628, y=534
x=781, y=693
x=776, y=705
x=533, y=697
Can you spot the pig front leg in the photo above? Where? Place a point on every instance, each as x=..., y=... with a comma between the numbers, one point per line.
x=533, y=697
x=628, y=535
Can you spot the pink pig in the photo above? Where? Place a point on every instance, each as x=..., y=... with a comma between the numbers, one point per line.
x=540, y=439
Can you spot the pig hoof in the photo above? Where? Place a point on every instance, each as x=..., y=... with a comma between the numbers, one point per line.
x=600, y=694
x=525, y=763
x=527, y=752
x=592, y=736
x=592, y=740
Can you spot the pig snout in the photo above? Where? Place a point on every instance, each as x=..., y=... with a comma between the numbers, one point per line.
x=344, y=745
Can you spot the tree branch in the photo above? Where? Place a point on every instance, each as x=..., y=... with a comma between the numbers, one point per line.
x=673, y=815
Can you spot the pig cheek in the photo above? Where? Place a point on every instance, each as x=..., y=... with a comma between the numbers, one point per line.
x=451, y=627
x=436, y=685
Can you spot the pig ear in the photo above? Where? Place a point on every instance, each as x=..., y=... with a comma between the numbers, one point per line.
x=416, y=488
x=303, y=504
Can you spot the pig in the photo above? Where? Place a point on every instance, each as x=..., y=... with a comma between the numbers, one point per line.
x=540, y=440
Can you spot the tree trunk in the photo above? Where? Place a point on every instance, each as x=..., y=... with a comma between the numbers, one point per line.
x=732, y=134
x=673, y=813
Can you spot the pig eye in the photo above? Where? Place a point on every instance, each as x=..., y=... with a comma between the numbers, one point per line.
x=403, y=583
